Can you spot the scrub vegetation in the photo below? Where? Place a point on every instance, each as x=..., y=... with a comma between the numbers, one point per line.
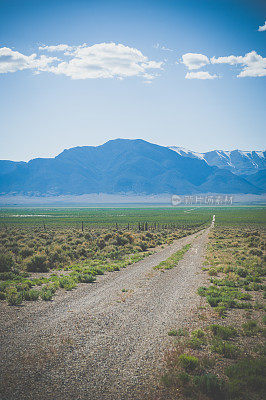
x=225, y=357
x=38, y=259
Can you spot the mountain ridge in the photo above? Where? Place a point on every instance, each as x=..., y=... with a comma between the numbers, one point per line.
x=119, y=166
x=240, y=162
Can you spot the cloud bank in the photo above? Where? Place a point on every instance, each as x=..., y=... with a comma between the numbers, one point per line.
x=111, y=60
x=106, y=60
x=252, y=65
x=103, y=60
x=12, y=61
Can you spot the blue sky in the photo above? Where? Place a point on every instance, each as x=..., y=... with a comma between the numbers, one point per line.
x=185, y=73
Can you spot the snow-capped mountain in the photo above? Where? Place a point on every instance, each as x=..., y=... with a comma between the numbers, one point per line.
x=237, y=161
x=120, y=166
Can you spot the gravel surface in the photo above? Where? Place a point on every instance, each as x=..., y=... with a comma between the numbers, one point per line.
x=98, y=342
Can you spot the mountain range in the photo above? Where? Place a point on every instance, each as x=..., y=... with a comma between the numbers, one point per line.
x=133, y=166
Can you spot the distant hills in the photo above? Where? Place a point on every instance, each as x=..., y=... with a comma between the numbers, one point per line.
x=131, y=166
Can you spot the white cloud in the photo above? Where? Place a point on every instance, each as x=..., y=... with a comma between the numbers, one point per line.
x=200, y=75
x=107, y=60
x=253, y=65
x=56, y=48
x=195, y=60
x=103, y=60
x=158, y=46
x=12, y=61
x=262, y=28
x=166, y=48
x=232, y=60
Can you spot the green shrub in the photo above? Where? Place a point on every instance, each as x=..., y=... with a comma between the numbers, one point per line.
x=87, y=278
x=212, y=272
x=6, y=262
x=173, y=332
x=182, y=332
x=26, y=252
x=213, y=301
x=31, y=295
x=210, y=385
x=189, y=363
x=95, y=271
x=168, y=379
x=38, y=263
x=255, y=252
x=195, y=343
x=250, y=328
x=227, y=350
x=244, y=305
x=13, y=297
x=227, y=302
x=46, y=294
x=247, y=377
x=55, y=256
x=221, y=310
x=67, y=283
x=197, y=339
x=143, y=246
x=2, y=296
x=9, y=276
x=244, y=296
x=52, y=286
x=23, y=286
x=198, y=333
x=4, y=286
x=183, y=378
x=223, y=332
x=202, y=291
x=241, y=272
x=255, y=286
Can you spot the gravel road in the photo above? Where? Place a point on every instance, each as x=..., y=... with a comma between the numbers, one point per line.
x=97, y=342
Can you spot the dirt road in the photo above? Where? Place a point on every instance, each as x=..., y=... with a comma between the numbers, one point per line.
x=99, y=342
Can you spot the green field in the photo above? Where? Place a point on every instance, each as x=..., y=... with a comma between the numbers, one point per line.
x=183, y=216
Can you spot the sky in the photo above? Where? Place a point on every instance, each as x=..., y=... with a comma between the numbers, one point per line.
x=188, y=73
